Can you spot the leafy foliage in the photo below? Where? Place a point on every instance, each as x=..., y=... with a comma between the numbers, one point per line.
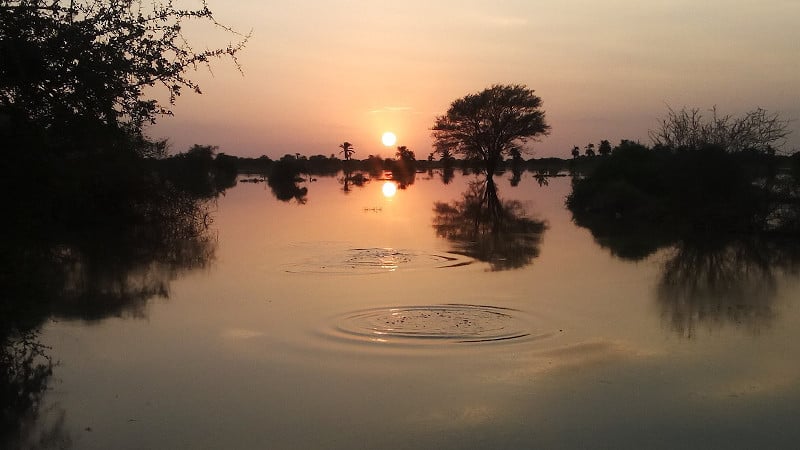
x=489, y=124
x=79, y=65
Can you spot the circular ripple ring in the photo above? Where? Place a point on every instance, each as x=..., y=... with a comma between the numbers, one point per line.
x=449, y=322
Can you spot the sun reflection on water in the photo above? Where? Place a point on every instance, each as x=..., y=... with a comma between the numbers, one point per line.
x=389, y=189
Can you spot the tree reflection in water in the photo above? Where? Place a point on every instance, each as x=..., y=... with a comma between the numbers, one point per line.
x=114, y=266
x=283, y=181
x=25, y=371
x=350, y=178
x=711, y=282
x=708, y=279
x=89, y=262
x=484, y=227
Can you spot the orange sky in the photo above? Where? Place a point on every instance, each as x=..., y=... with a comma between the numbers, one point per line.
x=317, y=73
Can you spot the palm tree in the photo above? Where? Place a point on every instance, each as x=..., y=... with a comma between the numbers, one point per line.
x=347, y=149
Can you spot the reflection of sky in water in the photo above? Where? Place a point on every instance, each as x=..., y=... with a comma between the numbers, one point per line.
x=238, y=357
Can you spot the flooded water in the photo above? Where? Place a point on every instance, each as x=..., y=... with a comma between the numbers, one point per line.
x=363, y=319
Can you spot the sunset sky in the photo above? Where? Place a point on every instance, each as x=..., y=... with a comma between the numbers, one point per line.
x=318, y=73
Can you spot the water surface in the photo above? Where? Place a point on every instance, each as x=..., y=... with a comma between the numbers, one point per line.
x=355, y=320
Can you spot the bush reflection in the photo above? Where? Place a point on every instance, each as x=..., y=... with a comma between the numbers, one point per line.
x=708, y=279
x=87, y=249
x=711, y=282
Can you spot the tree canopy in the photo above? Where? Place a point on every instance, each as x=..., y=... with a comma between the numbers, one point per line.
x=491, y=123
x=67, y=65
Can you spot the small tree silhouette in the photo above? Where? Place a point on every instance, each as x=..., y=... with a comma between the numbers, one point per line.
x=605, y=148
x=347, y=150
x=404, y=154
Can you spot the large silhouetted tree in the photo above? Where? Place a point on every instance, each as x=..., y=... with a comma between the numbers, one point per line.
x=75, y=66
x=489, y=124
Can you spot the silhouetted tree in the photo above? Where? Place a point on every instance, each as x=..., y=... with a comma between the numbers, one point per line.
x=404, y=154
x=487, y=125
x=404, y=169
x=84, y=68
x=347, y=150
x=589, y=149
x=576, y=152
x=605, y=148
x=445, y=155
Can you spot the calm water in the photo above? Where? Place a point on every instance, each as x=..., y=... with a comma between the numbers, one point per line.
x=357, y=320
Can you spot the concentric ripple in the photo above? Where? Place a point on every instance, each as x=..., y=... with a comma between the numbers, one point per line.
x=373, y=261
x=455, y=323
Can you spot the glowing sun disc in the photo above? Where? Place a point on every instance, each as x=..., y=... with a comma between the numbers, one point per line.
x=389, y=139
x=389, y=189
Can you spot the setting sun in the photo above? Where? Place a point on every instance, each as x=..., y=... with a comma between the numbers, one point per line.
x=389, y=139
x=389, y=189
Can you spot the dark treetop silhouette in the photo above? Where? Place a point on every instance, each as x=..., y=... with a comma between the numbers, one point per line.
x=490, y=124
x=74, y=71
x=347, y=150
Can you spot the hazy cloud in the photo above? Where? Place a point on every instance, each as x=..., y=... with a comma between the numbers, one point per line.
x=386, y=109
